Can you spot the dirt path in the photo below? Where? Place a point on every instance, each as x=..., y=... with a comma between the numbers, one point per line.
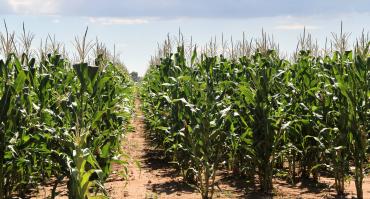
x=154, y=178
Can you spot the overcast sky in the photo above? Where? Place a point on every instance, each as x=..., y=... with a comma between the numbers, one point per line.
x=136, y=26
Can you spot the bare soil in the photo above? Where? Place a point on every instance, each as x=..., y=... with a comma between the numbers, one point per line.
x=151, y=176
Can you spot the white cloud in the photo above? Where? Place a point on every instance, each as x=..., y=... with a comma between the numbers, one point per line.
x=296, y=26
x=34, y=6
x=118, y=20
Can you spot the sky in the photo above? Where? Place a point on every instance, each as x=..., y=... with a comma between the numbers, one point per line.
x=135, y=27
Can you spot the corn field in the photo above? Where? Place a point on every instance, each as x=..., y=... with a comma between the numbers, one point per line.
x=60, y=119
x=242, y=108
x=249, y=110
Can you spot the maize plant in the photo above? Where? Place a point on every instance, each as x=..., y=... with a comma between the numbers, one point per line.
x=350, y=84
x=261, y=93
x=60, y=120
x=259, y=114
x=196, y=138
x=300, y=131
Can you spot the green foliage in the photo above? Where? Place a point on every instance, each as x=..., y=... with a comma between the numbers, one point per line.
x=256, y=113
x=59, y=120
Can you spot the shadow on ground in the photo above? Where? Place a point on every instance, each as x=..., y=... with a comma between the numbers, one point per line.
x=155, y=161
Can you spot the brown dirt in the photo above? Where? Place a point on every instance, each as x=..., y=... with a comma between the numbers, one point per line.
x=151, y=176
x=324, y=189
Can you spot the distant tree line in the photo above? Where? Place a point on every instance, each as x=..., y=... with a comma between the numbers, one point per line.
x=135, y=76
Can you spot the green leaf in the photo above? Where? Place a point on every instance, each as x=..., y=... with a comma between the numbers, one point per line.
x=85, y=179
x=19, y=82
x=194, y=56
x=105, y=150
